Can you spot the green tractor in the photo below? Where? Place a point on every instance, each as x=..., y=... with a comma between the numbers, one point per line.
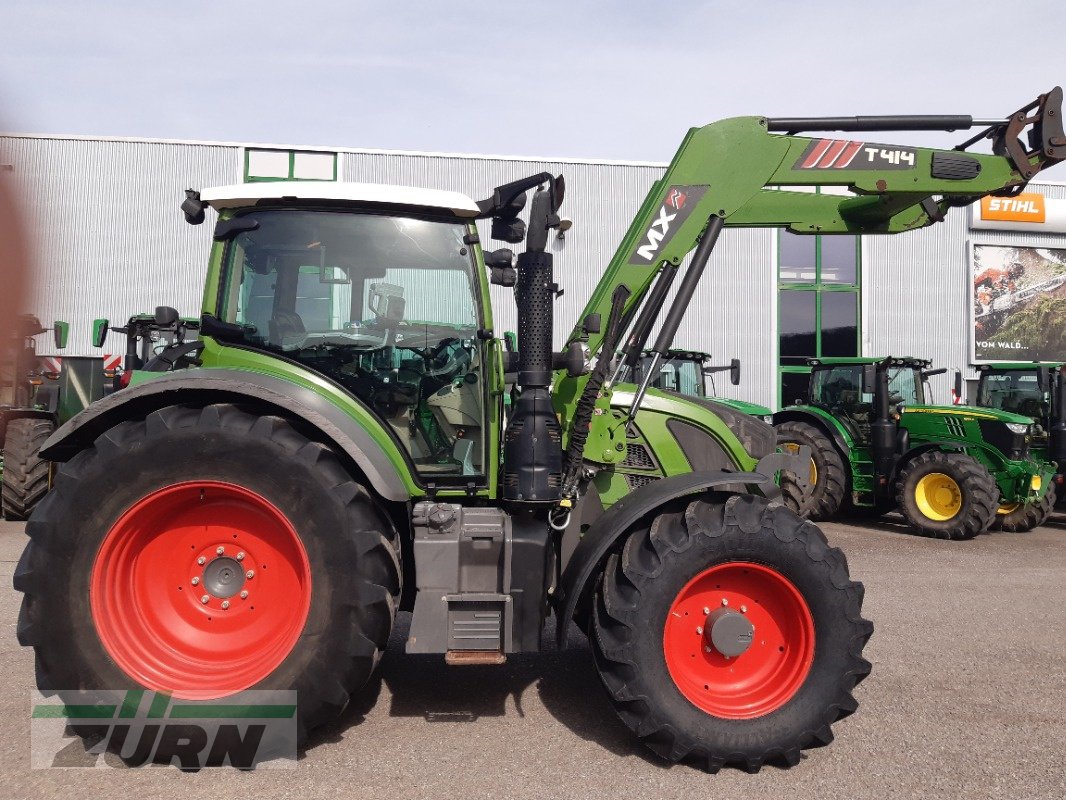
x=1036, y=390
x=29, y=414
x=877, y=447
x=686, y=372
x=340, y=454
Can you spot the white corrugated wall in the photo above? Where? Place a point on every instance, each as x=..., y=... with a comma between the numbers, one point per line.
x=111, y=240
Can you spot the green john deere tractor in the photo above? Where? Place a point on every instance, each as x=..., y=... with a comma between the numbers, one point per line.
x=877, y=447
x=686, y=372
x=341, y=454
x=1036, y=390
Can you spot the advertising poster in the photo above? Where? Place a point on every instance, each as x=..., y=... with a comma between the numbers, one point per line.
x=1019, y=303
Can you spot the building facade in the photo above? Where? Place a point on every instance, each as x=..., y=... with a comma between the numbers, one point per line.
x=112, y=242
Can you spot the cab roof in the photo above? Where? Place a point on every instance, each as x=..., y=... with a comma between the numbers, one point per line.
x=1019, y=365
x=242, y=195
x=893, y=361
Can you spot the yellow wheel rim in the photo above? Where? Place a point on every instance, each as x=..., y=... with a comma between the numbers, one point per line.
x=938, y=496
x=1008, y=508
x=792, y=447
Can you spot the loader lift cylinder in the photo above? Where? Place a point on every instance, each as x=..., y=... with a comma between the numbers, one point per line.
x=1057, y=434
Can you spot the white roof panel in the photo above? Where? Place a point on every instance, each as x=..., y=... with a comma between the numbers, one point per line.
x=247, y=194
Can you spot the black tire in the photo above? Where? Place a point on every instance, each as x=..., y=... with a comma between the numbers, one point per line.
x=825, y=498
x=25, y=478
x=1027, y=516
x=349, y=544
x=633, y=602
x=979, y=496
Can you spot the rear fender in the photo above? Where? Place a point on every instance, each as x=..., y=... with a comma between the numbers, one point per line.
x=383, y=466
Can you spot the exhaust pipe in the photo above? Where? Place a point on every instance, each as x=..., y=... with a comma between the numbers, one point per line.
x=533, y=453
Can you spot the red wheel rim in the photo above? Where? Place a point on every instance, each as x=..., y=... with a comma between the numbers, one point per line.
x=773, y=667
x=169, y=552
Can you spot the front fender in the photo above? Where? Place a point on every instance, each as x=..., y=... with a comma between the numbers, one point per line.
x=619, y=519
x=369, y=449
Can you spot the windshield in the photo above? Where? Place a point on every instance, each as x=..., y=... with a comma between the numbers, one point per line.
x=681, y=375
x=386, y=306
x=905, y=387
x=1017, y=391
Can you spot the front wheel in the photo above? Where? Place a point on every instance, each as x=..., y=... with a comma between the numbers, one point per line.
x=947, y=495
x=730, y=633
x=202, y=552
x=828, y=480
x=1023, y=517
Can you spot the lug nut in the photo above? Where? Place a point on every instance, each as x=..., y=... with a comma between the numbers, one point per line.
x=743, y=609
x=244, y=595
x=240, y=556
x=250, y=573
x=706, y=649
x=706, y=610
x=725, y=601
x=699, y=630
x=220, y=550
x=201, y=561
x=204, y=599
x=195, y=581
x=225, y=604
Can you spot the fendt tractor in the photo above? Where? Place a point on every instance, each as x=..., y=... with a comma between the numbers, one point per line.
x=877, y=447
x=686, y=372
x=1036, y=390
x=257, y=521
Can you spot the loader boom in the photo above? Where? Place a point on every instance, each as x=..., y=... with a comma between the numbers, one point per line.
x=739, y=169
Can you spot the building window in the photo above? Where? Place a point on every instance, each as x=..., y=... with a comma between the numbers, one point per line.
x=818, y=305
x=289, y=165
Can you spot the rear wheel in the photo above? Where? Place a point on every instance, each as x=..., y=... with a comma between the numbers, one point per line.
x=947, y=495
x=828, y=480
x=1022, y=517
x=730, y=633
x=202, y=552
x=25, y=478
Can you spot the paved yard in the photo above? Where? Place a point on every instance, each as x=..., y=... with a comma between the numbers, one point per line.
x=967, y=699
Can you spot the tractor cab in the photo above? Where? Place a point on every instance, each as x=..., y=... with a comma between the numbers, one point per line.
x=687, y=372
x=846, y=388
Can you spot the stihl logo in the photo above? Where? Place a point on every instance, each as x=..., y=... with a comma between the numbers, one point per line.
x=656, y=233
x=1022, y=208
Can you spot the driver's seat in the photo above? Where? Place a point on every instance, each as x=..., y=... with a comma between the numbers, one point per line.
x=285, y=326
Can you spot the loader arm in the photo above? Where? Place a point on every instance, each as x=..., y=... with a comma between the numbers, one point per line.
x=740, y=169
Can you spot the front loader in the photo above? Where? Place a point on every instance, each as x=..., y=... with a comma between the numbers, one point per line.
x=258, y=520
x=876, y=446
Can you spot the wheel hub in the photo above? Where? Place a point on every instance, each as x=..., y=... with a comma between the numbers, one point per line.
x=223, y=577
x=731, y=633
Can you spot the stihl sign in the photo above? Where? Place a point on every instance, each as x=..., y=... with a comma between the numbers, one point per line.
x=1027, y=207
x=1030, y=212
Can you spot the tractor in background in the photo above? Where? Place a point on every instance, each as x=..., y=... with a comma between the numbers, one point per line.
x=1036, y=390
x=686, y=372
x=877, y=447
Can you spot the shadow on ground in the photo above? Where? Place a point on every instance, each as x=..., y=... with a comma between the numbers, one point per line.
x=564, y=682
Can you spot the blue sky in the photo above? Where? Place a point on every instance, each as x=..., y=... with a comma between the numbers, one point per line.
x=598, y=80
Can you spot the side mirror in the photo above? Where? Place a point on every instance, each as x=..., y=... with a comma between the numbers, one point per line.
x=734, y=372
x=100, y=327
x=193, y=207
x=61, y=331
x=166, y=317
x=869, y=379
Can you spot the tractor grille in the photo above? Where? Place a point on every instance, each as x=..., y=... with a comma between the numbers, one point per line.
x=638, y=457
x=636, y=481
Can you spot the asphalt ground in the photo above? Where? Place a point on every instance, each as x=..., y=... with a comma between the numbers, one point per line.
x=967, y=699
